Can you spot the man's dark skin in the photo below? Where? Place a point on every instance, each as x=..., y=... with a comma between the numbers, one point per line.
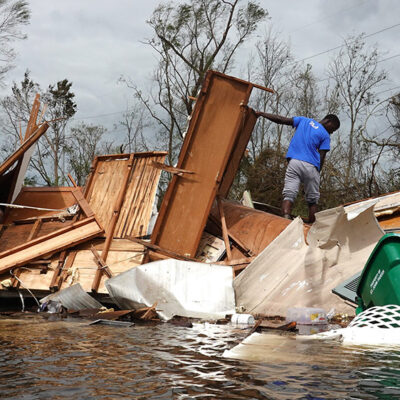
x=330, y=127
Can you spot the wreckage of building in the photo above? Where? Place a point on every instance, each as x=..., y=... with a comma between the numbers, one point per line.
x=201, y=255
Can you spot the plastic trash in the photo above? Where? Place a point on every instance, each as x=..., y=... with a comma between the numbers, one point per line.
x=306, y=316
x=242, y=319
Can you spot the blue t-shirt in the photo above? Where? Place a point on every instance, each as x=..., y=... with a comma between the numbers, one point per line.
x=309, y=137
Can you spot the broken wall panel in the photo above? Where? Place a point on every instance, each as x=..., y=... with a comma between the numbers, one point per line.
x=215, y=125
x=56, y=241
x=105, y=184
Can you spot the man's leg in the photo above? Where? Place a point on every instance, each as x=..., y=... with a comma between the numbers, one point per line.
x=287, y=209
x=290, y=189
x=312, y=209
x=311, y=188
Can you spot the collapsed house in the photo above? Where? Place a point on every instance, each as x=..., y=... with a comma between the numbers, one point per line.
x=205, y=255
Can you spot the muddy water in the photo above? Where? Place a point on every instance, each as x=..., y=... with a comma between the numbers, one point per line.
x=42, y=359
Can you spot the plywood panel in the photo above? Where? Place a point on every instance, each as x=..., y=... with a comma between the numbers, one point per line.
x=44, y=197
x=139, y=198
x=213, y=131
x=105, y=185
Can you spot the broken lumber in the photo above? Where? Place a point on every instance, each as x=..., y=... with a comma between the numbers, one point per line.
x=59, y=240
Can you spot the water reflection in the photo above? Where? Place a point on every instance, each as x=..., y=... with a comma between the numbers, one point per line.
x=41, y=359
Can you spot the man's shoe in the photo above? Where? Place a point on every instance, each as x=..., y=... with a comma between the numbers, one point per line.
x=287, y=216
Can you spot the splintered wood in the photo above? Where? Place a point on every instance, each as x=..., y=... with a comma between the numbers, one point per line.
x=116, y=203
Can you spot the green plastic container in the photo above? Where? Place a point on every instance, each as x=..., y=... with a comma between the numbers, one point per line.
x=379, y=283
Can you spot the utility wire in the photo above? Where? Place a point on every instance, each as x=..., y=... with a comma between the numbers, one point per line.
x=339, y=47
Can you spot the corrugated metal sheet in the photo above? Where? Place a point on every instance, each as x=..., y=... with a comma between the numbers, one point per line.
x=74, y=298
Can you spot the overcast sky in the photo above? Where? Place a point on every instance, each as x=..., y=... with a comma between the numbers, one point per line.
x=94, y=42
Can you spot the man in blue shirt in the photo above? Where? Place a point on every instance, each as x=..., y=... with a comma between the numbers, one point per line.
x=306, y=156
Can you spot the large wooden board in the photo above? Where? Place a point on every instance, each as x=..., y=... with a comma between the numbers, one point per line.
x=216, y=123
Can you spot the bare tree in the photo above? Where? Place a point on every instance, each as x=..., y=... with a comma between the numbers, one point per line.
x=189, y=39
x=356, y=76
x=83, y=144
x=134, y=124
x=48, y=160
x=16, y=109
x=13, y=14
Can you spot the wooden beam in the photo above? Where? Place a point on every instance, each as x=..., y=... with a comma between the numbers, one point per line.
x=82, y=202
x=237, y=261
x=172, y=170
x=158, y=249
x=72, y=181
x=239, y=244
x=53, y=284
x=100, y=263
x=150, y=312
x=35, y=229
x=64, y=271
x=24, y=147
x=33, y=117
x=224, y=229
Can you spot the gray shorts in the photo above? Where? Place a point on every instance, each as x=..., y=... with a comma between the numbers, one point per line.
x=301, y=172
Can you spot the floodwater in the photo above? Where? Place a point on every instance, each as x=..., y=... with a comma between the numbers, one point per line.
x=44, y=359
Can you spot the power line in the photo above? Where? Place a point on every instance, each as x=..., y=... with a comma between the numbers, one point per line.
x=342, y=45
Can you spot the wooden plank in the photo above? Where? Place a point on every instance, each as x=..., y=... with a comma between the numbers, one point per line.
x=170, y=169
x=31, y=127
x=64, y=271
x=23, y=161
x=35, y=229
x=23, y=148
x=54, y=280
x=116, y=245
x=82, y=202
x=215, y=125
x=158, y=249
x=237, y=261
x=224, y=230
x=56, y=241
x=101, y=265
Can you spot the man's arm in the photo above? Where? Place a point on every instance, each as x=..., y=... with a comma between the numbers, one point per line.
x=322, y=154
x=279, y=119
